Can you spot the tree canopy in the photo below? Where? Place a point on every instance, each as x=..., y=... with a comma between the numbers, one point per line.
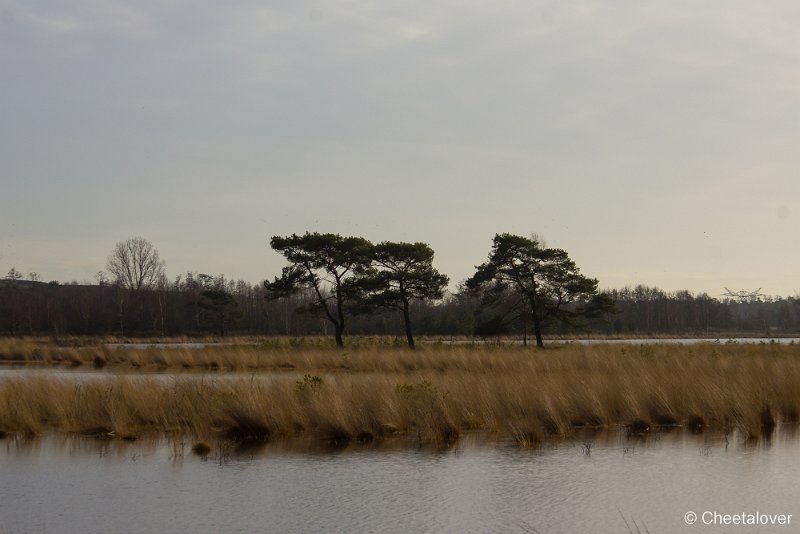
x=135, y=264
x=220, y=305
x=547, y=282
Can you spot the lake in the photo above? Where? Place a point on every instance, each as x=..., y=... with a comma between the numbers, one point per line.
x=631, y=341
x=602, y=483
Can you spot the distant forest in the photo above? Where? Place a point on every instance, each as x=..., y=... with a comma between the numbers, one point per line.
x=346, y=285
x=199, y=304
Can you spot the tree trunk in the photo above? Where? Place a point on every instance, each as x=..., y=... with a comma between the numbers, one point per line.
x=339, y=340
x=537, y=329
x=537, y=321
x=339, y=315
x=407, y=319
x=524, y=330
x=121, y=298
x=286, y=316
x=161, y=306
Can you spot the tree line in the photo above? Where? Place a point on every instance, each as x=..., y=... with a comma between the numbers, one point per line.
x=334, y=285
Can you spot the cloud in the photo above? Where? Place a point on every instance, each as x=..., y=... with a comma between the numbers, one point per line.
x=47, y=21
x=113, y=17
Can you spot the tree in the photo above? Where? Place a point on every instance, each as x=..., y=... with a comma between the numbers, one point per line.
x=135, y=264
x=221, y=305
x=10, y=307
x=403, y=272
x=327, y=264
x=546, y=279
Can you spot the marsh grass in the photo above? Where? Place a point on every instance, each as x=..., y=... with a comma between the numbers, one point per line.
x=202, y=448
x=433, y=394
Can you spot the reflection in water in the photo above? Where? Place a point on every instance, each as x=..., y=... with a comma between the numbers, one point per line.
x=595, y=483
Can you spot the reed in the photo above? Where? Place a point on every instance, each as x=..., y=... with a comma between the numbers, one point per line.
x=433, y=394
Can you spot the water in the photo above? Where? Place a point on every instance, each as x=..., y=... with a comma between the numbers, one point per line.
x=598, y=484
x=186, y=345
x=633, y=341
x=84, y=374
x=640, y=341
x=689, y=341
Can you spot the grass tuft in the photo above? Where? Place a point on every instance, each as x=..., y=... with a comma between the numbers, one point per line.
x=696, y=423
x=637, y=427
x=201, y=448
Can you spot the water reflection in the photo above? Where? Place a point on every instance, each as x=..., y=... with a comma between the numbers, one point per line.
x=599, y=482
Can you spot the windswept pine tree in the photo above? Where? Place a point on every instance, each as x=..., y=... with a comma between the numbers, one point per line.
x=401, y=273
x=327, y=264
x=548, y=283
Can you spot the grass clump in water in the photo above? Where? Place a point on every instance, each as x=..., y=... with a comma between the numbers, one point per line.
x=201, y=448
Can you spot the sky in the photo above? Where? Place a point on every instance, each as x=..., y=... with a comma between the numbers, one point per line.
x=655, y=141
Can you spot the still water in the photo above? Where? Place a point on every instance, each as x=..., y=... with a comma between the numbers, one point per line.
x=603, y=483
x=631, y=341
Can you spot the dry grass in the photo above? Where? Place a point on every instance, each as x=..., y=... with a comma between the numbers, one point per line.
x=433, y=394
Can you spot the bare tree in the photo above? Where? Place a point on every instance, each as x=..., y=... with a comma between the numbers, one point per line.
x=135, y=264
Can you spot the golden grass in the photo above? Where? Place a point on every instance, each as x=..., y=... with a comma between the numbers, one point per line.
x=433, y=394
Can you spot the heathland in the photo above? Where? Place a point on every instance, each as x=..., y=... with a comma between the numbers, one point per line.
x=378, y=390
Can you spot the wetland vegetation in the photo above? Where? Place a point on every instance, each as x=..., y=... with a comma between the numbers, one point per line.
x=376, y=390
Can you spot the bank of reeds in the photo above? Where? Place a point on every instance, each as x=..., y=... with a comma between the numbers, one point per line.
x=432, y=394
x=233, y=354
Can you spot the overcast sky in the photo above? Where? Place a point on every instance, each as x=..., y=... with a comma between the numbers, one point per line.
x=657, y=142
